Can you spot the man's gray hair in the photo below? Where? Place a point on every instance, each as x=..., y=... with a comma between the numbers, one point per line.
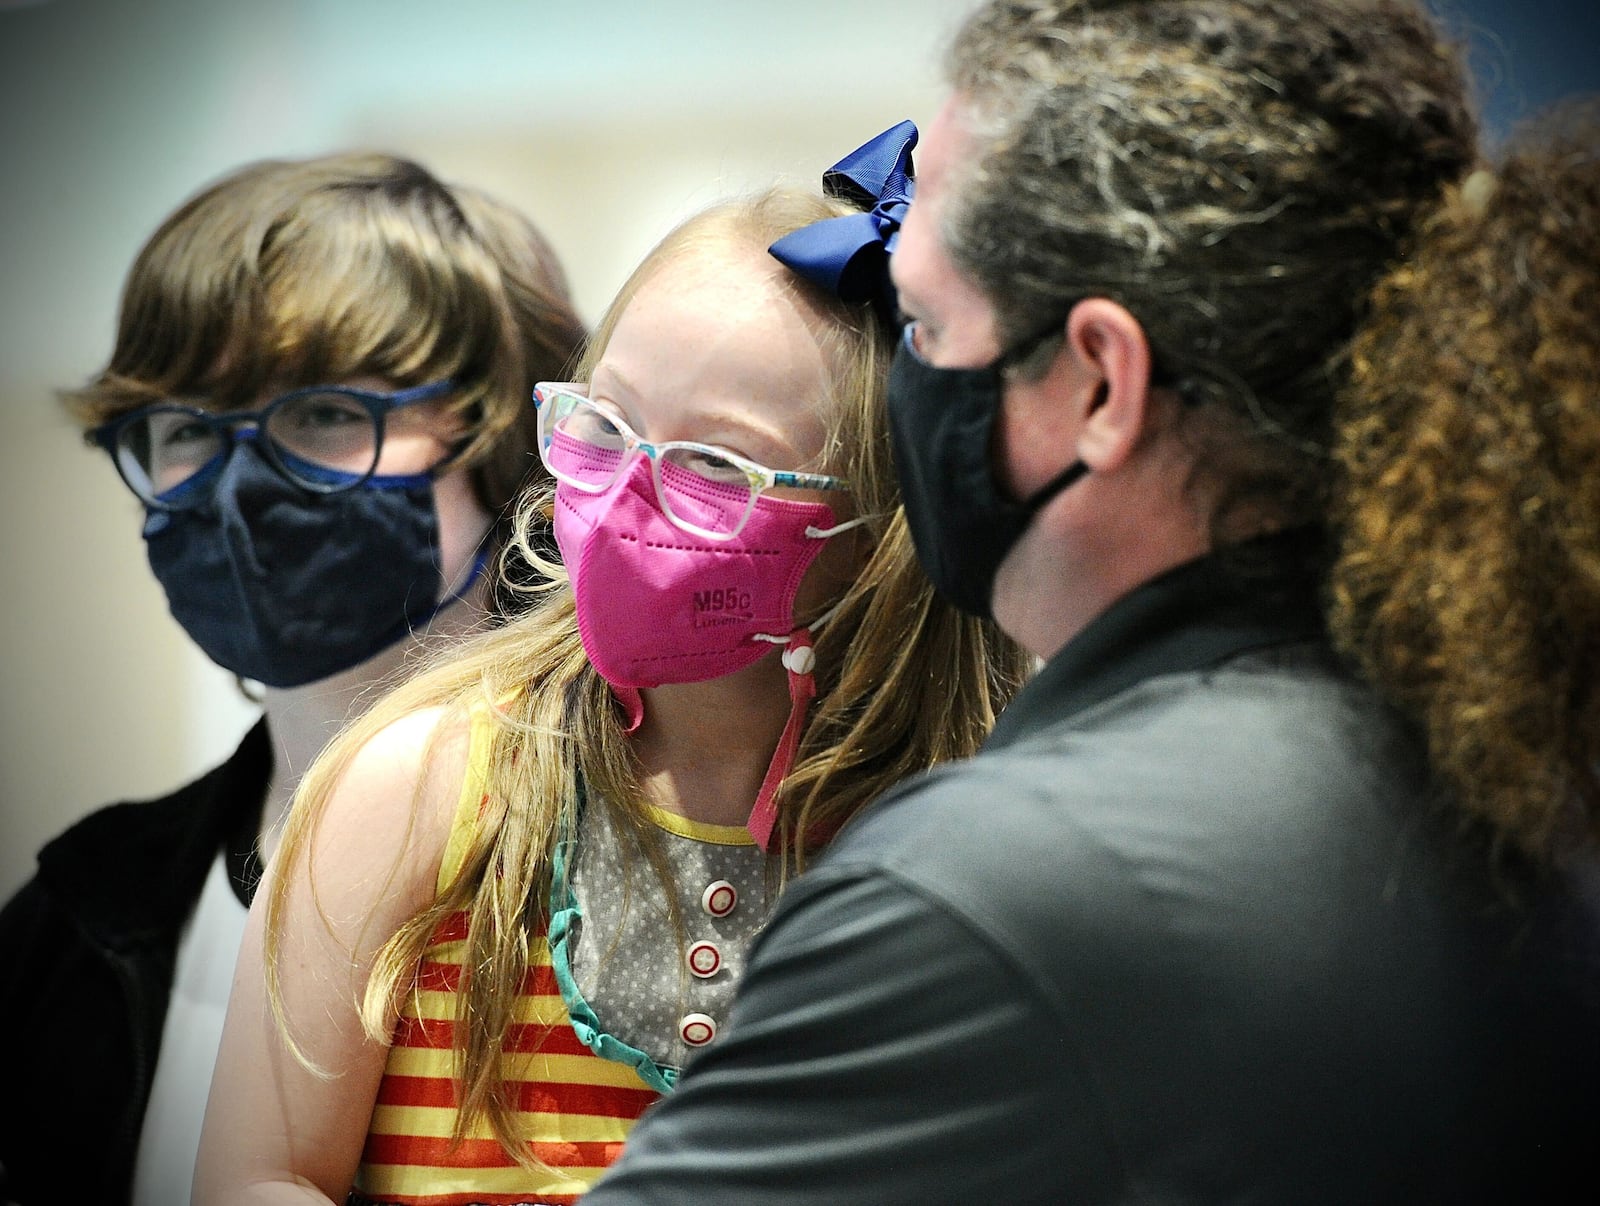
x=1236, y=173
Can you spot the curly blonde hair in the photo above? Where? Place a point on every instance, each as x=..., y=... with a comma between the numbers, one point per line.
x=1467, y=586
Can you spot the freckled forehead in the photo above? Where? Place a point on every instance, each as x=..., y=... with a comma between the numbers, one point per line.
x=715, y=336
x=733, y=270
x=718, y=296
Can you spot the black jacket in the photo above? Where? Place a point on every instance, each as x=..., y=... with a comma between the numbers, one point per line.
x=88, y=949
x=1189, y=930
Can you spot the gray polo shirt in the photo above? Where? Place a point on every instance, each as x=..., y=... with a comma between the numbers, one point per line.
x=1191, y=929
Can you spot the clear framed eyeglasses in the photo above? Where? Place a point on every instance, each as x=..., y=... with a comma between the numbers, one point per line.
x=703, y=489
x=325, y=439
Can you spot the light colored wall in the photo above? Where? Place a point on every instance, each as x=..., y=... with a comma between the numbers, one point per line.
x=607, y=120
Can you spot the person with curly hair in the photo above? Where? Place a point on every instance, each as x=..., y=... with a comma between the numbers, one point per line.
x=1200, y=923
x=1468, y=581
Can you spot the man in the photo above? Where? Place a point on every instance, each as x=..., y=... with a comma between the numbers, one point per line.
x=1190, y=929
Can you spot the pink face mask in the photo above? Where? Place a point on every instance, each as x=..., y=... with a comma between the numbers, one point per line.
x=657, y=604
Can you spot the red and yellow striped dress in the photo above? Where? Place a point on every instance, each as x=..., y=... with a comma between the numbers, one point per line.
x=575, y=1108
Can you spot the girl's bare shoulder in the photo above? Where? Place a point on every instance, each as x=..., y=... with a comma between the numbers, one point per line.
x=394, y=802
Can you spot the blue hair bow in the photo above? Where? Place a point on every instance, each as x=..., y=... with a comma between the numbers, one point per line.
x=849, y=255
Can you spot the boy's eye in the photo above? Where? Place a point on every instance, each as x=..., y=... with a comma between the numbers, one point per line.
x=179, y=434
x=323, y=412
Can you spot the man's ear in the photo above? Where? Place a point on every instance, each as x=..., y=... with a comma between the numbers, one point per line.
x=1111, y=360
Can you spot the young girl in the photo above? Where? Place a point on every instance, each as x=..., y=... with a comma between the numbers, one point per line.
x=513, y=899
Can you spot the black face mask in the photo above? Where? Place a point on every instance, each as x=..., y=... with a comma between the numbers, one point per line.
x=941, y=425
x=288, y=587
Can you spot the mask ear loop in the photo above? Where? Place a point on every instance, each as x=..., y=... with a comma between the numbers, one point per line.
x=816, y=533
x=799, y=660
x=632, y=706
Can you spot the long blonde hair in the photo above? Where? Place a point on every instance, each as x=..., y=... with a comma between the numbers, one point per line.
x=903, y=682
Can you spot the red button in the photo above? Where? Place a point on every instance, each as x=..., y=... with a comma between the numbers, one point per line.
x=704, y=959
x=696, y=1029
x=719, y=898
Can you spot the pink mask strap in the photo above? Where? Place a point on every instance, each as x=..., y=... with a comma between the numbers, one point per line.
x=798, y=659
x=632, y=706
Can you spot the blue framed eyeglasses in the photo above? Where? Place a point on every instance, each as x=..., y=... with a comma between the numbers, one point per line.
x=702, y=488
x=325, y=439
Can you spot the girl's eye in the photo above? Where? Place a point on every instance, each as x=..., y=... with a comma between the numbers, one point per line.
x=594, y=426
x=708, y=464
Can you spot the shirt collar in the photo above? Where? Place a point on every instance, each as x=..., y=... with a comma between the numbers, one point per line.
x=1200, y=614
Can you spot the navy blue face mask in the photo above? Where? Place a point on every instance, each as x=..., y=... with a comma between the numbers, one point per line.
x=287, y=587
